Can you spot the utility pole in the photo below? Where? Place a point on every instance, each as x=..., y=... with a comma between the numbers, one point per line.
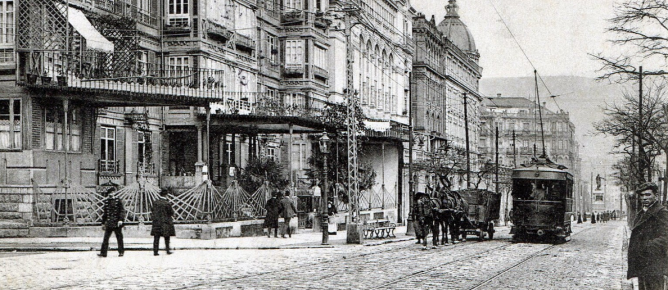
x=353, y=226
x=514, y=150
x=641, y=147
x=468, y=154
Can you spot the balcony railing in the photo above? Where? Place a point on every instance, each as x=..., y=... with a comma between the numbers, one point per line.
x=108, y=166
x=217, y=30
x=293, y=17
x=100, y=72
x=321, y=72
x=294, y=69
x=122, y=8
x=244, y=41
x=321, y=21
x=146, y=168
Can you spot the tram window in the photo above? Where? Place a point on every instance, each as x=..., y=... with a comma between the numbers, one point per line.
x=539, y=189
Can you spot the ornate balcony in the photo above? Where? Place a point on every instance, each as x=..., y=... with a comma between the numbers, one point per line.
x=216, y=30
x=321, y=21
x=293, y=69
x=293, y=17
x=108, y=167
x=102, y=73
x=320, y=72
x=244, y=41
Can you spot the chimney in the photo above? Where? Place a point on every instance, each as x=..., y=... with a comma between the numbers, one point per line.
x=498, y=95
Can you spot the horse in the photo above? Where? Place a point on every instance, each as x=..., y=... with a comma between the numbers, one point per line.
x=442, y=215
x=460, y=208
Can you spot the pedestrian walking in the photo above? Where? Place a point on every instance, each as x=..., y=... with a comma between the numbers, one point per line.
x=162, y=222
x=288, y=211
x=112, y=222
x=273, y=207
x=331, y=213
x=648, y=247
x=424, y=216
x=579, y=218
x=593, y=218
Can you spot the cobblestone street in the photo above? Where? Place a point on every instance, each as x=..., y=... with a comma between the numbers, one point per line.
x=592, y=260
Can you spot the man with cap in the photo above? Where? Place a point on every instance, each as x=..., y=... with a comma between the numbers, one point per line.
x=648, y=246
x=162, y=222
x=112, y=222
x=423, y=216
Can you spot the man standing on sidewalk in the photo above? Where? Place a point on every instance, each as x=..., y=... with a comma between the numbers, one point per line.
x=162, y=222
x=112, y=221
x=288, y=211
x=648, y=247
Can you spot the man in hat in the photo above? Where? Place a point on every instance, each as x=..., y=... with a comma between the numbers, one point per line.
x=112, y=222
x=288, y=211
x=648, y=246
x=162, y=222
x=424, y=217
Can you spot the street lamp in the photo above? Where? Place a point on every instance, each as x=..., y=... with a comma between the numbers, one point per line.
x=324, y=217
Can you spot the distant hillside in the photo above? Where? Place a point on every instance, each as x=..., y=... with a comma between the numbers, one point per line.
x=583, y=98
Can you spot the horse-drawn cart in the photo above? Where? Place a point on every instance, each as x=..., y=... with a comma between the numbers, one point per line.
x=484, y=207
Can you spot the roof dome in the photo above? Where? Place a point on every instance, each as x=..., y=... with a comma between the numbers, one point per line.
x=455, y=30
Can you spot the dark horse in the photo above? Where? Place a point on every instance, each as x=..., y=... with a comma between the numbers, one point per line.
x=448, y=214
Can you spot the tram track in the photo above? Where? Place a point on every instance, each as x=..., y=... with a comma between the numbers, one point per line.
x=521, y=262
x=436, y=267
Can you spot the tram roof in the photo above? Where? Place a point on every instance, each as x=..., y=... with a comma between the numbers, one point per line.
x=542, y=168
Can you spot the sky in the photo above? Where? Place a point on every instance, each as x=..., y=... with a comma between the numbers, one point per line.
x=557, y=35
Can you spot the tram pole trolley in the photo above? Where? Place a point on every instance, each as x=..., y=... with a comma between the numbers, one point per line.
x=484, y=208
x=542, y=202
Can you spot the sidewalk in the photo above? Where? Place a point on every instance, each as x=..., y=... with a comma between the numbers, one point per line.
x=304, y=240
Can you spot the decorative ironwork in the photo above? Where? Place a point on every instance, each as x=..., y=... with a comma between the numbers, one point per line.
x=138, y=199
x=71, y=203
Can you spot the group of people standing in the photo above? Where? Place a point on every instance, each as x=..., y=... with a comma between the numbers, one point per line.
x=278, y=206
x=603, y=217
x=162, y=223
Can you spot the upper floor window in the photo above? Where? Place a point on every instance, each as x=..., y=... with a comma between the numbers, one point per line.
x=178, y=66
x=10, y=124
x=107, y=143
x=292, y=4
x=294, y=52
x=272, y=48
x=320, y=57
x=178, y=7
x=6, y=21
x=142, y=62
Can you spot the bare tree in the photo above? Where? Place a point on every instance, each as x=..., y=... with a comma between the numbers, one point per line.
x=622, y=122
x=640, y=30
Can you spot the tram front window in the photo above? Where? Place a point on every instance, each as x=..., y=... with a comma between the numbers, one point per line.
x=538, y=189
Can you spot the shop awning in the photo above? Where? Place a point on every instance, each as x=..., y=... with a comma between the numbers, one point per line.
x=94, y=40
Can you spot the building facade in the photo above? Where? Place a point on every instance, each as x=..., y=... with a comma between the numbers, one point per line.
x=446, y=101
x=184, y=94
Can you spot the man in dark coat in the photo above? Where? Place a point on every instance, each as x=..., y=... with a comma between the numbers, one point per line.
x=112, y=221
x=648, y=247
x=273, y=207
x=288, y=211
x=424, y=216
x=162, y=222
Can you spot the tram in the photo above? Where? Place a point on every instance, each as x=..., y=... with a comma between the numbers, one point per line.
x=542, y=194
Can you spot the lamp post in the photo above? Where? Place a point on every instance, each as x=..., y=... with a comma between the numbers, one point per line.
x=324, y=216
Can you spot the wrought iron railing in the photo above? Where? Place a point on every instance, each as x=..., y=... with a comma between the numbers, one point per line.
x=100, y=72
x=146, y=168
x=293, y=16
x=108, y=166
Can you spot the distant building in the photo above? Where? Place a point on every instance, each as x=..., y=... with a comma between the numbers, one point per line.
x=520, y=137
x=445, y=78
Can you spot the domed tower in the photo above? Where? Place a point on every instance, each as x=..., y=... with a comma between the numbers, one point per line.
x=456, y=31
